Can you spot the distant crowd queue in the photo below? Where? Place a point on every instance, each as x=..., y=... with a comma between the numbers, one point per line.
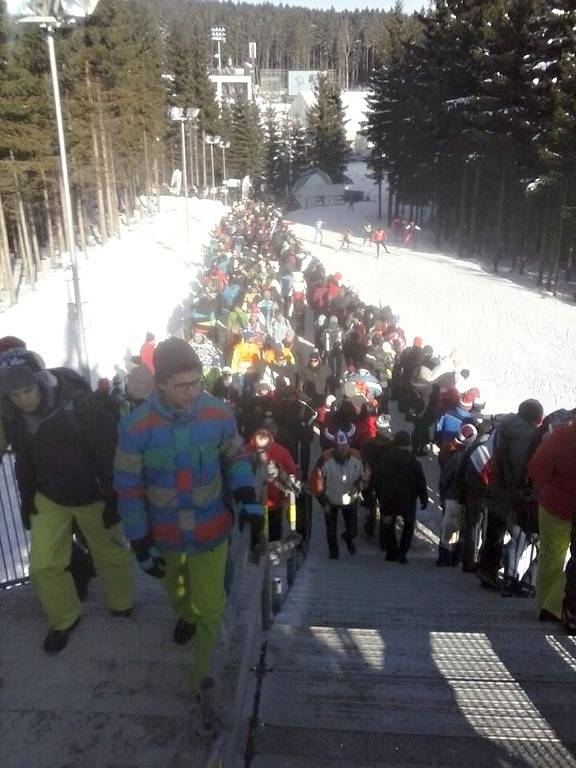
x=276, y=380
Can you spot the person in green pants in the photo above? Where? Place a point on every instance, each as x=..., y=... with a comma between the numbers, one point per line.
x=64, y=443
x=180, y=467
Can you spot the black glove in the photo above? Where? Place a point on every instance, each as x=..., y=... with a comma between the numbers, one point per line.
x=148, y=557
x=253, y=515
x=27, y=509
x=110, y=514
x=26, y=512
x=323, y=500
x=423, y=505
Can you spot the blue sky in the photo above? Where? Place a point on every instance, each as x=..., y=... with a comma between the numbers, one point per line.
x=341, y=5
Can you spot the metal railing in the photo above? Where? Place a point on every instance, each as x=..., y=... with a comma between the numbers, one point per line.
x=14, y=545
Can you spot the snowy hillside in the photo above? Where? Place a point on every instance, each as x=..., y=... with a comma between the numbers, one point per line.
x=129, y=286
x=516, y=343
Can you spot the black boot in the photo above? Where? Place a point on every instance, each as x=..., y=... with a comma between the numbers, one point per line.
x=349, y=543
x=55, y=641
x=444, y=558
x=184, y=631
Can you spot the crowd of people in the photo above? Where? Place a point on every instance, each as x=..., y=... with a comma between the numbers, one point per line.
x=276, y=382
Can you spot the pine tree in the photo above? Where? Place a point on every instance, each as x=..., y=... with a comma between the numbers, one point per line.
x=299, y=151
x=329, y=148
x=246, y=156
x=276, y=157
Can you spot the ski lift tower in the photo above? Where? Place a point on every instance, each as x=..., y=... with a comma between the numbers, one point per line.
x=50, y=15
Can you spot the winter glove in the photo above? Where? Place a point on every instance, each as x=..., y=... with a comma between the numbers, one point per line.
x=323, y=501
x=110, y=514
x=148, y=557
x=26, y=512
x=253, y=515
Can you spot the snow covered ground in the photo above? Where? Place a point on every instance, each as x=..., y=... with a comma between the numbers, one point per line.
x=128, y=287
x=516, y=343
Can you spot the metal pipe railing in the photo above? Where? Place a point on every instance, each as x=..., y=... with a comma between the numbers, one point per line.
x=14, y=545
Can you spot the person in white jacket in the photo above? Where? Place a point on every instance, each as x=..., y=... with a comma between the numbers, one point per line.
x=336, y=481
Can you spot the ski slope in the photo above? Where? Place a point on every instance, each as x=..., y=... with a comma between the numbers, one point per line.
x=517, y=342
x=128, y=286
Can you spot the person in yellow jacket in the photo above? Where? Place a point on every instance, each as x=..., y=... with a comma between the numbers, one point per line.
x=246, y=354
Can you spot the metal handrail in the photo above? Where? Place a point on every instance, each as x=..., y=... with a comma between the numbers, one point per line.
x=14, y=544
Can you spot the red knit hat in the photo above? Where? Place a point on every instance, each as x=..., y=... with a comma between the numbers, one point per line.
x=466, y=400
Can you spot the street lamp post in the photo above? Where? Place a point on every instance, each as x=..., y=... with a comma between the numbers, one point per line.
x=50, y=15
x=224, y=145
x=211, y=140
x=180, y=116
x=191, y=115
x=205, y=182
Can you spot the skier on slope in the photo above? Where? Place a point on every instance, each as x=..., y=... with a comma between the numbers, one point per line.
x=346, y=238
x=367, y=228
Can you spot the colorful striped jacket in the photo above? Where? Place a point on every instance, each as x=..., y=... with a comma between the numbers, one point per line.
x=176, y=473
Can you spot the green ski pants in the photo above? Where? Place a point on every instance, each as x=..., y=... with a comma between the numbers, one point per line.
x=551, y=579
x=50, y=551
x=195, y=585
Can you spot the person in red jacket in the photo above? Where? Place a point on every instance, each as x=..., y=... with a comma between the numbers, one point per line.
x=147, y=352
x=279, y=465
x=553, y=470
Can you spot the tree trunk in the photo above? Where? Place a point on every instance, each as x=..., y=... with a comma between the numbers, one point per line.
x=48, y=219
x=148, y=179
x=473, y=234
x=81, y=223
x=110, y=193
x=390, y=203
x=34, y=240
x=60, y=233
x=24, y=245
x=97, y=156
x=110, y=153
x=8, y=275
x=463, y=211
x=560, y=236
x=500, y=245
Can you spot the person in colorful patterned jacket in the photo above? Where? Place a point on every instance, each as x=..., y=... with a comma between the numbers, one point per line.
x=180, y=466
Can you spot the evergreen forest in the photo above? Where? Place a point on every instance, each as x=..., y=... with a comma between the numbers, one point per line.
x=474, y=120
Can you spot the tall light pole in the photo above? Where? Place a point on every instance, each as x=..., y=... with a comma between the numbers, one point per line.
x=218, y=36
x=191, y=115
x=205, y=182
x=49, y=15
x=211, y=140
x=178, y=115
x=224, y=145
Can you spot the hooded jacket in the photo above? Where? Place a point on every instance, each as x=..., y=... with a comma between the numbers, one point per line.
x=176, y=473
x=399, y=480
x=553, y=470
x=513, y=441
x=66, y=450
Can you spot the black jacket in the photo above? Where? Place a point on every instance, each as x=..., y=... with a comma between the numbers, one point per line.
x=68, y=453
x=399, y=480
